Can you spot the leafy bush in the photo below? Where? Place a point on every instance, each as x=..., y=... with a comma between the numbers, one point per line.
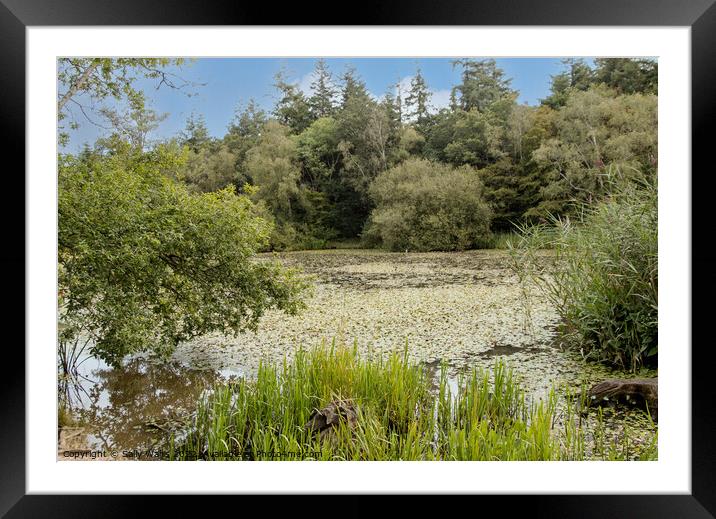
x=605, y=278
x=423, y=205
x=144, y=263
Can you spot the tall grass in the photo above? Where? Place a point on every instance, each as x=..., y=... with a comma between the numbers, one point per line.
x=604, y=281
x=502, y=240
x=401, y=415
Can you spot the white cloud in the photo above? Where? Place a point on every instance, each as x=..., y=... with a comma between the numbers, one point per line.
x=304, y=83
x=439, y=100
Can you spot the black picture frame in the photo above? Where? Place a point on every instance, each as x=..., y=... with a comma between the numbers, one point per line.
x=700, y=15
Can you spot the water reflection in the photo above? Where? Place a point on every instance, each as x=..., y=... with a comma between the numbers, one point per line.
x=137, y=406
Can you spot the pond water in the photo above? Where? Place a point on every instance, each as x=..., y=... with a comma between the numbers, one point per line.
x=467, y=309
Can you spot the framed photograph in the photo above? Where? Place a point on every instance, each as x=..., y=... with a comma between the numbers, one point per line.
x=416, y=254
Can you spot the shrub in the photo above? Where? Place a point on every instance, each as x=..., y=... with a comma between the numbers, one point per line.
x=423, y=206
x=605, y=277
x=144, y=263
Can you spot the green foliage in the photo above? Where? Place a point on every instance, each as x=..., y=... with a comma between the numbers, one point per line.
x=144, y=264
x=418, y=99
x=133, y=126
x=317, y=148
x=195, y=134
x=243, y=134
x=578, y=75
x=508, y=190
x=504, y=240
x=483, y=83
x=533, y=161
x=209, y=168
x=595, y=130
x=605, y=279
x=475, y=139
x=272, y=166
x=146, y=261
x=398, y=416
x=364, y=137
x=628, y=76
x=299, y=213
x=624, y=75
x=322, y=102
x=292, y=109
x=423, y=205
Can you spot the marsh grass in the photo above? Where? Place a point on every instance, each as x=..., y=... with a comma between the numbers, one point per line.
x=604, y=279
x=401, y=415
x=503, y=240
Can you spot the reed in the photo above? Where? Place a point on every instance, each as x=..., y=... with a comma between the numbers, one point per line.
x=399, y=415
x=604, y=277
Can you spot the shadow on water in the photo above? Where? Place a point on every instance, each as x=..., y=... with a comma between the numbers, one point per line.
x=135, y=407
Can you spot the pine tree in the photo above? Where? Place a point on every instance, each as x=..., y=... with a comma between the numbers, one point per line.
x=399, y=101
x=628, y=76
x=577, y=75
x=292, y=108
x=418, y=98
x=195, y=134
x=483, y=83
x=324, y=93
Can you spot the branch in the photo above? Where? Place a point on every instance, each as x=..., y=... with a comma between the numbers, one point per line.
x=77, y=85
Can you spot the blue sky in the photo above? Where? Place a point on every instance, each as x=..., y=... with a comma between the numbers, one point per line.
x=225, y=84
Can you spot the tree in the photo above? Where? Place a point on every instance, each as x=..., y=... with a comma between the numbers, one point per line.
x=133, y=126
x=322, y=102
x=418, y=99
x=395, y=151
x=578, y=75
x=379, y=136
x=518, y=124
x=399, y=103
x=84, y=82
x=475, y=139
x=243, y=134
x=317, y=148
x=596, y=131
x=209, y=169
x=356, y=125
x=195, y=133
x=145, y=264
x=483, y=83
x=422, y=205
x=273, y=166
x=292, y=109
x=513, y=182
x=627, y=75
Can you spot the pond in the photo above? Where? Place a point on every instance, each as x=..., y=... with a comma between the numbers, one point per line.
x=467, y=309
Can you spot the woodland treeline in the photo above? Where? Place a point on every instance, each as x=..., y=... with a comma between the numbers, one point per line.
x=339, y=164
